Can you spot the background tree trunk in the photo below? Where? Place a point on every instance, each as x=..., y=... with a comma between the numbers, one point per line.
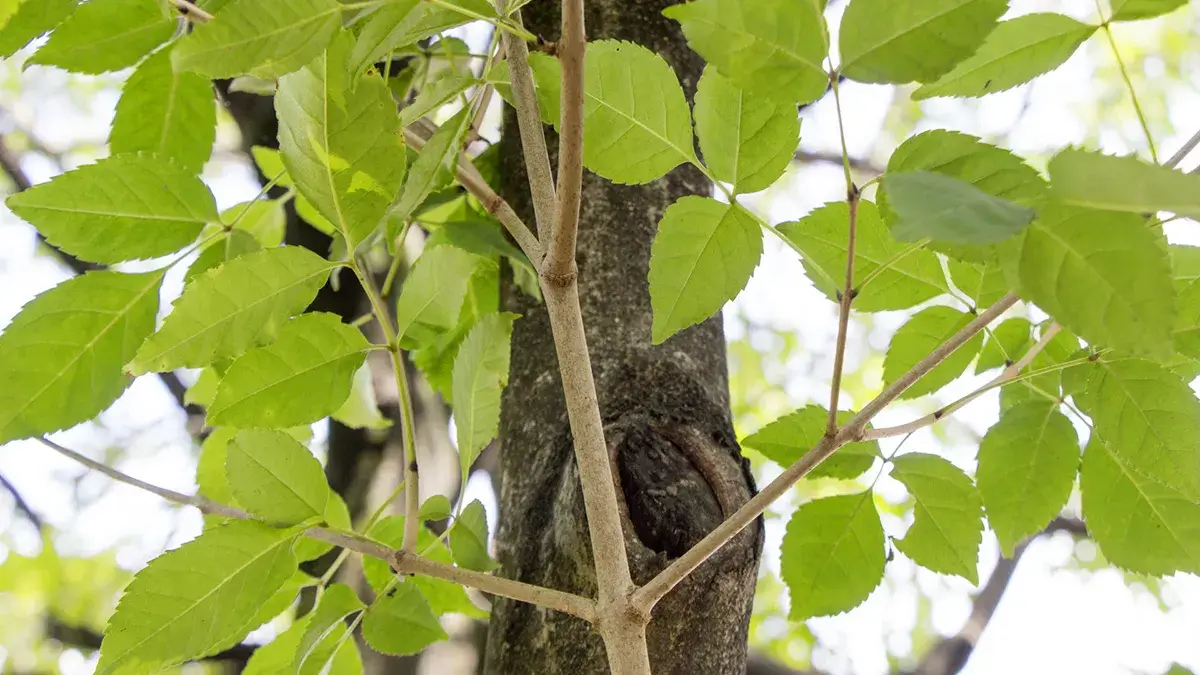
x=666, y=413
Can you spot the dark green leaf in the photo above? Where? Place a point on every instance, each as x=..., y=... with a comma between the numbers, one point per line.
x=469, y=537
x=400, y=622
x=938, y=207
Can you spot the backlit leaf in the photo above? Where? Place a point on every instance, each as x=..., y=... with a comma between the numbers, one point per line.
x=832, y=555
x=1139, y=523
x=401, y=23
x=232, y=244
x=218, y=580
x=275, y=477
x=1015, y=53
x=120, y=208
x=637, y=125
x=480, y=375
x=432, y=296
x=702, y=257
x=435, y=163
x=337, y=602
x=1134, y=10
x=341, y=144
x=747, y=139
x=1102, y=181
x=923, y=333
x=1149, y=418
x=1006, y=343
x=1027, y=467
x=62, y=358
x=1103, y=274
x=400, y=622
x=361, y=409
x=32, y=19
x=947, y=519
x=469, y=537
x=945, y=209
x=788, y=438
x=775, y=48
x=234, y=307
x=909, y=276
x=886, y=41
x=104, y=35
x=443, y=596
x=266, y=38
x=165, y=113
x=315, y=353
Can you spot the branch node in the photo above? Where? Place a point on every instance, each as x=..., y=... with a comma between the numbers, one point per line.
x=561, y=280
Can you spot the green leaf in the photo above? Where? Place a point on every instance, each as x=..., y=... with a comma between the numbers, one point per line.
x=337, y=602
x=165, y=113
x=702, y=257
x=637, y=125
x=233, y=244
x=210, y=469
x=788, y=438
x=263, y=218
x=747, y=139
x=480, y=375
x=315, y=353
x=337, y=516
x=948, y=517
x=32, y=19
x=265, y=38
x=201, y=392
x=996, y=171
x=1185, y=265
x=772, y=47
x=432, y=296
x=120, y=208
x=547, y=84
x=832, y=555
x=1027, y=467
x=1134, y=10
x=217, y=580
x=432, y=166
x=1102, y=274
x=1005, y=345
x=361, y=409
x=234, y=307
x=342, y=147
x=401, y=23
x=275, y=477
x=946, y=209
x=469, y=537
x=1101, y=181
x=104, y=35
x=400, y=622
x=1062, y=348
x=443, y=596
x=436, y=94
x=270, y=163
x=1139, y=523
x=901, y=275
x=1149, y=418
x=883, y=41
x=1015, y=53
x=923, y=333
x=983, y=283
x=278, y=656
x=62, y=357
x=436, y=507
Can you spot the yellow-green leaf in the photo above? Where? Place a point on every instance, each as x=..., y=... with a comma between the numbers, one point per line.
x=275, y=477
x=832, y=555
x=947, y=519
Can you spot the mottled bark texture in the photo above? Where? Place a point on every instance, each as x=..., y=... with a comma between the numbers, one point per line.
x=666, y=413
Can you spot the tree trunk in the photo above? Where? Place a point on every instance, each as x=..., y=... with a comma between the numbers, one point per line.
x=666, y=414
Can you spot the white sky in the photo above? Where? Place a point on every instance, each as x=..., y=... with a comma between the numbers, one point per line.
x=1052, y=620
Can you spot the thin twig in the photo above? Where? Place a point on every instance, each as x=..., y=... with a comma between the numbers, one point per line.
x=470, y=178
x=22, y=505
x=647, y=596
x=533, y=139
x=404, y=561
x=858, y=164
x=846, y=297
x=1137, y=106
x=560, y=253
x=584, y=608
x=1008, y=374
x=1184, y=151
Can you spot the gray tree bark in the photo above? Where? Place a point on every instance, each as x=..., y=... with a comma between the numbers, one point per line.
x=666, y=413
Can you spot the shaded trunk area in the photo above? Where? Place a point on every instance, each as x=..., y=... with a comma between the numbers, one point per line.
x=666, y=413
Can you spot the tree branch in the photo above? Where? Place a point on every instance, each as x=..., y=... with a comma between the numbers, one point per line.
x=844, y=300
x=473, y=181
x=646, y=596
x=560, y=254
x=1008, y=374
x=406, y=561
x=22, y=505
x=858, y=164
x=533, y=140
